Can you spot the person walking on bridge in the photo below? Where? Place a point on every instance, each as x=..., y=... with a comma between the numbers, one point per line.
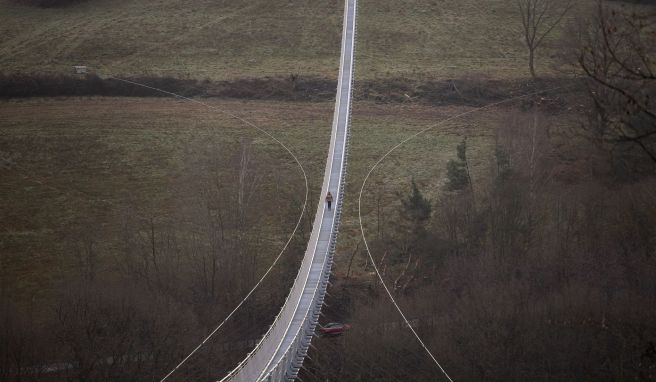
x=329, y=199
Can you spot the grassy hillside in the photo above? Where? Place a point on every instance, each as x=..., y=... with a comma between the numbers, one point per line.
x=87, y=162
x=446, y=39
x=226, y=40
x=200, y=39
x=88, y=165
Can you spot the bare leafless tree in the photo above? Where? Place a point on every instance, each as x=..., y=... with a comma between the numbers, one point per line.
x=539, y=18
x=248, y=183
x=617, y=54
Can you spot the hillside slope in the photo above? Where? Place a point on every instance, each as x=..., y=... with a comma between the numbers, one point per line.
x=227, y=40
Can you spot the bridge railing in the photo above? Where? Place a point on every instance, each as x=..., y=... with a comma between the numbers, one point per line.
x=260, y=363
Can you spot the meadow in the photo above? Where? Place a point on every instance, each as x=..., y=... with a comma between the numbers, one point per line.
x=83, y=164
x=424, y=39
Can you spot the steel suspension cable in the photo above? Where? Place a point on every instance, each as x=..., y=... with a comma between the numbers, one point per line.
x=277, y=258
x=371, y=170
x=246, y=122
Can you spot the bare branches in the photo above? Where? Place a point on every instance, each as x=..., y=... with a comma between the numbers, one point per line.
x=539, y=18
x=617, y=56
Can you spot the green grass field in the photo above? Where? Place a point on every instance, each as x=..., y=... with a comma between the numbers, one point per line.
x=224, y=40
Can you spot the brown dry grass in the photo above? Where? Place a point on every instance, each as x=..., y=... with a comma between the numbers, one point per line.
x=201, y=39
x=376, y=128
x=76, y=164
x=422, y=39
x=80, y=162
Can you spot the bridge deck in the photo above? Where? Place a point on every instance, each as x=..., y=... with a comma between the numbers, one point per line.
x=280, y=353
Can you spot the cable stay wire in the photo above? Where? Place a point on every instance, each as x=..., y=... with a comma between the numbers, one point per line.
x=236, y=117
x=250, y=124
x=11, y=165
x=371, y=170
x=277, y=258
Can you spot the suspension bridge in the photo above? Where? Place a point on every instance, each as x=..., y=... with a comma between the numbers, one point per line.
x=279, y=355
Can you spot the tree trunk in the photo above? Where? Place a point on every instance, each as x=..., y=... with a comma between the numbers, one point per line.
x=355, y=251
